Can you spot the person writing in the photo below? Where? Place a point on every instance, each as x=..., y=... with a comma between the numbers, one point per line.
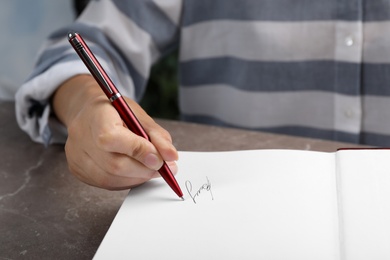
x=315, y=69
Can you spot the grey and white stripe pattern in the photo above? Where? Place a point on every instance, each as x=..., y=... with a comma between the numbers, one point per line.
x=315, y=68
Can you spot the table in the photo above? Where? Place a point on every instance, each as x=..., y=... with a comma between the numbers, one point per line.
x=46, y=213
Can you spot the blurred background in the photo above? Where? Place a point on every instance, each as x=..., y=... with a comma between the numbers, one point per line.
x=25, y=24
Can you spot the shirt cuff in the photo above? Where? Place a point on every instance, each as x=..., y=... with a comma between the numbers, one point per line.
x=32, y=101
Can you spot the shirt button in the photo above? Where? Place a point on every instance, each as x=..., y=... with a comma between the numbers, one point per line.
x=348, y=113
x=348, y=41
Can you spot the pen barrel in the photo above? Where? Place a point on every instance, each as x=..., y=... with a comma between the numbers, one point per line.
x=117, y=100
x=92, y=64
x=135, y=126
x=129, y=118
x=167, y=175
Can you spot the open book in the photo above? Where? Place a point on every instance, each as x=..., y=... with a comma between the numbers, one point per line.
x=260, y=204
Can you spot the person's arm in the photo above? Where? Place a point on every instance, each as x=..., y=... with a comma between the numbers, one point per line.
x=60, y=95
x=100, y=150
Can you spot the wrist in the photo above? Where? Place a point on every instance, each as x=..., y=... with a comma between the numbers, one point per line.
x=73, y=95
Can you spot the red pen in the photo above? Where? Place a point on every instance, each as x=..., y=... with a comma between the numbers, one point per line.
x=117, y=101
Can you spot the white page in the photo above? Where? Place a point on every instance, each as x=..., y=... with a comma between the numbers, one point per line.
x=365, y=201
x=264, y=204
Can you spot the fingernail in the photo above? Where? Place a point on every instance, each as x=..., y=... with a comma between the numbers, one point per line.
x=152, y=161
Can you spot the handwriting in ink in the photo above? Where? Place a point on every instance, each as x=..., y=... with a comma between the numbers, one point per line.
x=204, y=187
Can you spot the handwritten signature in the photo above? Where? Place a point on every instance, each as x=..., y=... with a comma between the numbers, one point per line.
x=204, y=187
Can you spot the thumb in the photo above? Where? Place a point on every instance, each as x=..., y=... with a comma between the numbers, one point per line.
x=122, y=140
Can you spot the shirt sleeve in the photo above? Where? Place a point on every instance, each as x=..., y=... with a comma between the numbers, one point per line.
x=127, y=37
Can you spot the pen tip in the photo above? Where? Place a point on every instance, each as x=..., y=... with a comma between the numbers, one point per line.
x=182, y=198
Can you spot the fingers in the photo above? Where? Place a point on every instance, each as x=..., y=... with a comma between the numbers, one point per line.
x=120, y=140
x=111, y=176
x=162, y=140
x=159, y=137
x=107, y=170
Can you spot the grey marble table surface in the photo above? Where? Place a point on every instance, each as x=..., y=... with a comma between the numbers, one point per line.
x=46, y=213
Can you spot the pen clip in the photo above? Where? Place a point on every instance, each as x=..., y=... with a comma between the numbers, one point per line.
x=89, y=59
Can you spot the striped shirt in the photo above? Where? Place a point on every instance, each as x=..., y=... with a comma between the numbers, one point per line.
x=310, y=68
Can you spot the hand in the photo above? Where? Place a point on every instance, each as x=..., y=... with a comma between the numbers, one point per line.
x=100, y=150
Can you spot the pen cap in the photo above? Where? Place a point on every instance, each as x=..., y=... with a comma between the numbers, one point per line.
x=92, y=64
